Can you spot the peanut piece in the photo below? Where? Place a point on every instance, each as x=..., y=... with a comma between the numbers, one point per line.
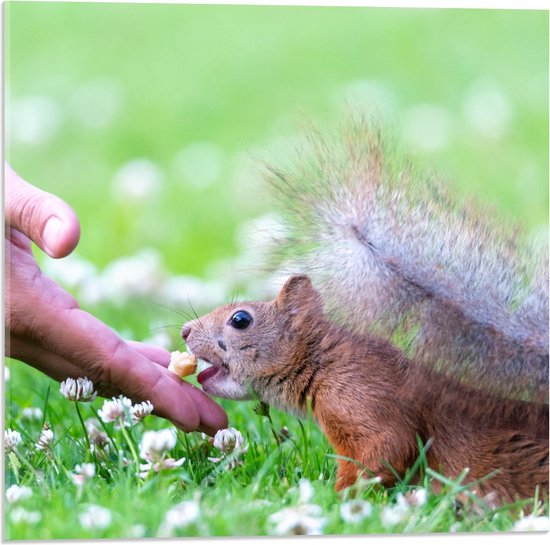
x=182, y=364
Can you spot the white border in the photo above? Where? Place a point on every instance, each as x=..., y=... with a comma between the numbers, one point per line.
x=542, y=5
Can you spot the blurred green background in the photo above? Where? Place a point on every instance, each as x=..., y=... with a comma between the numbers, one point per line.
x=144, y=117
x=147, y=119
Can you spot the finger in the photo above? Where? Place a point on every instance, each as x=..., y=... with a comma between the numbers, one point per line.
x=19, y=240
x=180, y=402
x=171, y=402
x=154, y=353
x=50, y=364
x=213, y=417
x=44, y=218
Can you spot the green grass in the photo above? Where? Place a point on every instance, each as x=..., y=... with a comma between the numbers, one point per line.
x=231, y=502
x=240, y=78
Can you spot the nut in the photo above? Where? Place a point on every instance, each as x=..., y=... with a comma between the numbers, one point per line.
x=182, y=364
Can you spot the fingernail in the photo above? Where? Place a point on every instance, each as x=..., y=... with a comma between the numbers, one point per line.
x=50, y=234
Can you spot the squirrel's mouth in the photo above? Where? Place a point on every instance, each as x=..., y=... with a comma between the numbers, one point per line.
x=215, y=379
x=208, y=370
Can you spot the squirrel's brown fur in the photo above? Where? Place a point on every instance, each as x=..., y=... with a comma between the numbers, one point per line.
x=368, y=397
x=395, y=260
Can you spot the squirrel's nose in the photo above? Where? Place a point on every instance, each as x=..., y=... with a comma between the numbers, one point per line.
x=185, y=330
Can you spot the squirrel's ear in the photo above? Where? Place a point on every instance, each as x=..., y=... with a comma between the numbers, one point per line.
x=295, y=283
x=297, y=294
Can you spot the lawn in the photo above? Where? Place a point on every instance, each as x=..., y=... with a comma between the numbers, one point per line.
x=149, y=120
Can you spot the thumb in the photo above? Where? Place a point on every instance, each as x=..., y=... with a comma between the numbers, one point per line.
x=47, y=220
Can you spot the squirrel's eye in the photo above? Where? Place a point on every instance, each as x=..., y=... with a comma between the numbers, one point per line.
x=240, y=320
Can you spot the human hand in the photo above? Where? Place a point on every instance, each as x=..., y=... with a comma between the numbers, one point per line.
x=46, y=328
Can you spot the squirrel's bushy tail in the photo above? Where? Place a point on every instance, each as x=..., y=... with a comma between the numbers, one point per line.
x=394, y=254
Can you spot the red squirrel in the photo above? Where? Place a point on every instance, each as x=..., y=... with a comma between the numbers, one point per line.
x=407, y=317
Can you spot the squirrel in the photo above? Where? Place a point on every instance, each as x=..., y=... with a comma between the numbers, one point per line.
x=409, y=321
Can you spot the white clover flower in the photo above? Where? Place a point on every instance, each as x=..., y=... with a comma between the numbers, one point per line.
x=302, y=520
x=392, y=515
x=427, y=126
x=229, y=463
x=229, y=440
x=114, y=410
x=6, y=373
x=488, y=109
x=81, y=389
x=31, y=413
x=454, y=527
x=137, y=181
x=139, y=275
x=155, y=444
x=190, y=290
x=15, y=493
x=91, y=423
x=45, y=440
x=34, y=119
x=166, y=463
x=99, y=439
x=71, y=272
x=256, y=505
x=83, y=473
x=137, y=531
x=153, y=447
x=179, y=516
x=12, y=439
x=305, y=490
x=78, y=480
x=260, y=232
x=95, y=518
x=415, y=498
x=532, y=523
x=96, y=290
x=88, y=470
x=411, y=499
x=20, y=515
x=354, y=511
x=183, y=514
x=140, y=410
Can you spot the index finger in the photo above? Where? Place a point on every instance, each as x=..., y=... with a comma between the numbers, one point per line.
x=154, y=353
